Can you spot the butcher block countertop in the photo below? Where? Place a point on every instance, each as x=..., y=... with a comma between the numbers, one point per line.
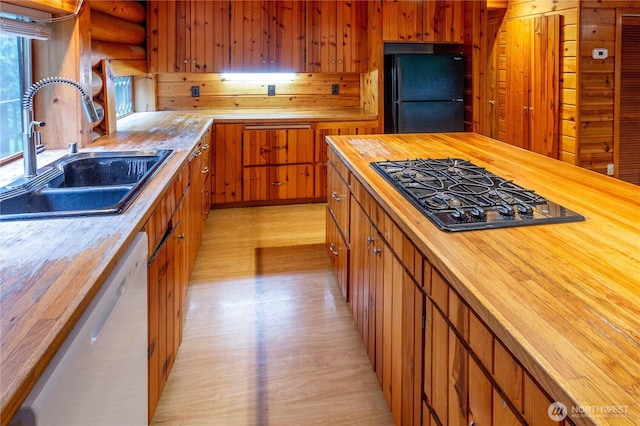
x=564, y=298
x=51, y=269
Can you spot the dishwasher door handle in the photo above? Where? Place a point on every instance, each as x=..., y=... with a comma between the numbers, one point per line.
x=100, y=326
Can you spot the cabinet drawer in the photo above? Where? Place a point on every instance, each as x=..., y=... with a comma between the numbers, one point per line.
x=278, y=182
x=338, y=254
x=278, y=146
x=342, y=169
x=338, y=198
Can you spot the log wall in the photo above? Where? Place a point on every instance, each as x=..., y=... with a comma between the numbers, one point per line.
x=118, y=33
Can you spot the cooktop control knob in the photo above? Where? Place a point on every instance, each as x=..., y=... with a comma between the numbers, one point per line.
x=459, y=214
x=525, y=209
x=478, y=212
x=506, y=210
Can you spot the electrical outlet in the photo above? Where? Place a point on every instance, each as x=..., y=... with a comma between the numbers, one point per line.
x=335, y=89
x=195, y=91
x=271, y=90
x=609, y=169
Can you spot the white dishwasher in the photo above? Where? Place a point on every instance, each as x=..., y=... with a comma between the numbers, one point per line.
x=99, y=375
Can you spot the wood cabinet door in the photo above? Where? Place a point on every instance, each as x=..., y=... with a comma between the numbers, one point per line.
x=423, y=20
x=335, y=36
x=277, y=146
x=226, y=183
x=339, y=254
x=267, y=35
x=278, y=182
x=338, y=199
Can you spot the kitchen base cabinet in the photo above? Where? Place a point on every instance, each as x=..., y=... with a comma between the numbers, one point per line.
x=436, y=361
x=175, y=230
x=273, y=183
x=388, y=307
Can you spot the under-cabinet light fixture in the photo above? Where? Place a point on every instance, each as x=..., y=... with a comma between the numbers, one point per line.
x=269, y=77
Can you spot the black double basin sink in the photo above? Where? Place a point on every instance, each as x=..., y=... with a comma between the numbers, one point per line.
x=82, y=184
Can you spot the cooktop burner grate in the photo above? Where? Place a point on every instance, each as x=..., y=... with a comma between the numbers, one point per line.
x=459, y=195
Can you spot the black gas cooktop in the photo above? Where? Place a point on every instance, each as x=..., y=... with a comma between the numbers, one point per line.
x=457, y=195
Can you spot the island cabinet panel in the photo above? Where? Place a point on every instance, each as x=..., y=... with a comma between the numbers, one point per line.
x=388, y=306
x=338, y=223
x=436, y=360
x=339, y=253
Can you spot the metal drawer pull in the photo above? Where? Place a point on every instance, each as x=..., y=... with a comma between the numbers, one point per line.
x=370, y=239
x=277, y=126
x=205, y=170
x=205, y=146
x=182, y=236
x=277, y=183
x=332, y=249
x=334, y=195
x=376, y=250
x=198, y=153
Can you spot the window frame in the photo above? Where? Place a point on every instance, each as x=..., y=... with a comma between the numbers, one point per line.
x=26, y=79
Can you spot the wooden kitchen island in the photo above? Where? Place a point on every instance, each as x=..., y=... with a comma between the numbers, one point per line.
x=490, y=326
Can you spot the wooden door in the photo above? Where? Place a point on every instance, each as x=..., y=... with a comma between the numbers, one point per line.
x=532, y=84
x=544, y=90
x=517, y=79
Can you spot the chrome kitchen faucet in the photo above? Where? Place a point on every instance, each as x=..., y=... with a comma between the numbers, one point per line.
x=32, y=140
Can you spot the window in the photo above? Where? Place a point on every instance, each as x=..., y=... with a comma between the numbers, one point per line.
x=124, y=96
x=14, y=69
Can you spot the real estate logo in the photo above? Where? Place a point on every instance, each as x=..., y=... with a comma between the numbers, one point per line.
x=557, y=411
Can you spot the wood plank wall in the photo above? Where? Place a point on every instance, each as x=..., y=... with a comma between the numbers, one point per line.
x=304, y=91
x=597, y=82
x=518, y=9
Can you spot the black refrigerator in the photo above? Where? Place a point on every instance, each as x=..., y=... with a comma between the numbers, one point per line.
x=423, y=93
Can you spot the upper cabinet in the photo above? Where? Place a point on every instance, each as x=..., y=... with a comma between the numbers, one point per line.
x=423, y=21
x=336, y=32
x=188, y=35
x=267, y=35
x=256, y=36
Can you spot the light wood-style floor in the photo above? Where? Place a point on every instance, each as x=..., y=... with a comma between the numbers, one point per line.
x=268, y=338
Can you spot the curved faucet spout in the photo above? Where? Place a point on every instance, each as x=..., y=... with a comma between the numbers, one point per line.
x=29, y=135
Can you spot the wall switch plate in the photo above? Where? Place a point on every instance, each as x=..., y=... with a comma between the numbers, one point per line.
x=195, y=91
x=600, y=53
x=335, y=89
x=271, y=90
x=609, y=169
